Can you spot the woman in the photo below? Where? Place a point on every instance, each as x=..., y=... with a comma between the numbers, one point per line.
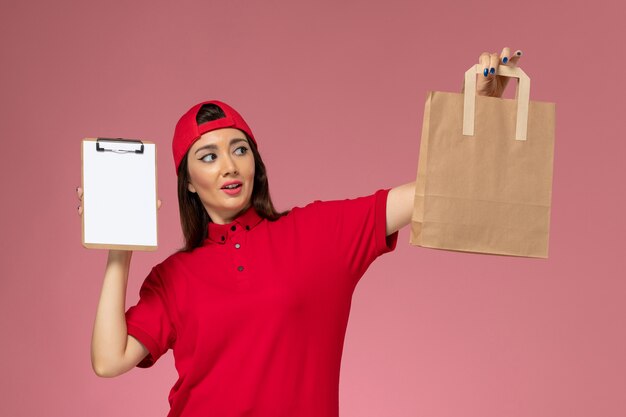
x=255, y=306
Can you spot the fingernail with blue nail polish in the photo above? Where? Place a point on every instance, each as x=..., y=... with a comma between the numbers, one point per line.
x=492, y=70
x=504, y=60
x=485, y=72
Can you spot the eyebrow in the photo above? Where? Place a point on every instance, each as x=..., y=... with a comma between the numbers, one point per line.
x=212, y=146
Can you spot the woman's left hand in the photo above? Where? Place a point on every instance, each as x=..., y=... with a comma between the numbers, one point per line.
x=489, y=84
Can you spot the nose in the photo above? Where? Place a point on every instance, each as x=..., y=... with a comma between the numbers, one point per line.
x=229, y=165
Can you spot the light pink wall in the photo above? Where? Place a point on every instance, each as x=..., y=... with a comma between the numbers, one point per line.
x=334, y=91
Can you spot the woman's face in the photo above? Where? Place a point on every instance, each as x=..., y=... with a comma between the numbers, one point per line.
x=216, y=159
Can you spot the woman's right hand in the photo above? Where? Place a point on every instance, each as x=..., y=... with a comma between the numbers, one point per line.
x=79, y=192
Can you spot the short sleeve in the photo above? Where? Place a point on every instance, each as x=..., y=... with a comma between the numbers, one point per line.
x=355, y=230
x=149, y=321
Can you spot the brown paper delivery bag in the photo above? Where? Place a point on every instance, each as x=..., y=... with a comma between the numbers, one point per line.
x=484, y=177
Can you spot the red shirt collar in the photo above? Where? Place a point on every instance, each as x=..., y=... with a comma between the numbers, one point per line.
x=219, y=233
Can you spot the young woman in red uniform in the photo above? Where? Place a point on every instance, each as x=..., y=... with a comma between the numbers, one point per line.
x=256, y=305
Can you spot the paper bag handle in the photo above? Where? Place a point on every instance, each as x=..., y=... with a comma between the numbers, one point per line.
x=522, y=95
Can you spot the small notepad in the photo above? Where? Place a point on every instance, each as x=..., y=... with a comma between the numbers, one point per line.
x=119, y=194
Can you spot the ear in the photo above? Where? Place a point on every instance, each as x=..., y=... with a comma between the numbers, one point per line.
x=191, y=188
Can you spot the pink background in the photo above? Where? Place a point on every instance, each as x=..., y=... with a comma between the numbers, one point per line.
x=334, y=91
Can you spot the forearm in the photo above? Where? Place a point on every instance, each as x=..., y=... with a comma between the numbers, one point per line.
x=400, y=202
x=108, y=343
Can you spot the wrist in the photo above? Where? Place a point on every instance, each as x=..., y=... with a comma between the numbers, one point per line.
x=120, y=256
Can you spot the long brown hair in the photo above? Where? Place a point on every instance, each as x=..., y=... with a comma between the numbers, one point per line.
x=194, y=218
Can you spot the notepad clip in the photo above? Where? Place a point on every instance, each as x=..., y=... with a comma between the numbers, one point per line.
x=119, y=145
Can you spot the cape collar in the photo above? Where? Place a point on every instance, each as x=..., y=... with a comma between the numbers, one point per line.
x=219, y=233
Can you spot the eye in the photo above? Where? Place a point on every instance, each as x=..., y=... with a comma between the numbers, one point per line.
x=207, y=155
x=245, y=150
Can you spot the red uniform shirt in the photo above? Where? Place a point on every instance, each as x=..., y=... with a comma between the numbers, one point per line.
x=257, y=316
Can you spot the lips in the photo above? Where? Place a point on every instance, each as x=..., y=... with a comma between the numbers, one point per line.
x=231, y=183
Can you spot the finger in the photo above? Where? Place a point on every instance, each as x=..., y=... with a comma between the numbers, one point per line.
x=80, y=210
x=505, y=55
x=158, y=204
x=494, y=60
x=79, y=191
x=483, y=60
x=515, y=58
